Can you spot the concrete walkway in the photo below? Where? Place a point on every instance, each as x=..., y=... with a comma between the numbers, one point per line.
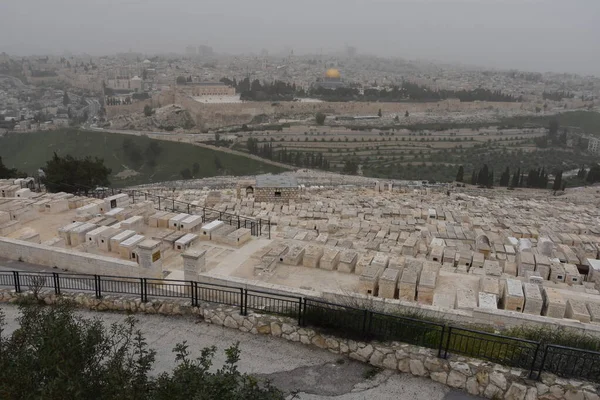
x=295, y=368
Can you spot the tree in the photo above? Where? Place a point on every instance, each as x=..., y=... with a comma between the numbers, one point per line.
x=196, y=168
x=505, y=177
x=474, y=178
x=320, y=118
x=181, y=80
x=593, y=174
x=557, y=181
x=460, y=174
x=379, y=114
x=218, y=164
x=484, y=176
x=148, y=111
x=186, y=173
x=350, y=167
x=71, y=175
x=553, y=130
x=56, y=354
x=66, y=100
x=406, y=114
x=7, y=173
x=396, y=118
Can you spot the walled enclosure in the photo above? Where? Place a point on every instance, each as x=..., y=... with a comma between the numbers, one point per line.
x=76, y=261
x=476, y=377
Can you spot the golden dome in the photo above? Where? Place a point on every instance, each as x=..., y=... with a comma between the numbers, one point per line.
x=333, y=73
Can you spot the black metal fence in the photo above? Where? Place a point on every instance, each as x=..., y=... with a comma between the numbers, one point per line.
x=256, y=225
x=208, y=214
x=341, y=320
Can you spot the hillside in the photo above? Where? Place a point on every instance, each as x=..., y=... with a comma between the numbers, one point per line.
x=134, y=160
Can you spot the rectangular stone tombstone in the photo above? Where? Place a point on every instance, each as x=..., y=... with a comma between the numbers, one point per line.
x=577, y=309
x=330, y=259
x=312, y=256
x=194, y=262
x=513, y=298
x=388, y=283
x=466, y=299
x=488, y=301
x=407, y=286
x=363, y=262
x=368, y=283
x=594, y=311
x=554, y=303
x=489, y=284
x=534, y=301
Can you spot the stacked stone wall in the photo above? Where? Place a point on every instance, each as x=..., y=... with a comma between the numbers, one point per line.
x=267, y=194
x=476, y=377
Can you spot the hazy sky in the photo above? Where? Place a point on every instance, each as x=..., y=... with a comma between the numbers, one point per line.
x=541, y=35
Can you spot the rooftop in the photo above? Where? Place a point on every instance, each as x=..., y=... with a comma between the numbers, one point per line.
x=278, y=181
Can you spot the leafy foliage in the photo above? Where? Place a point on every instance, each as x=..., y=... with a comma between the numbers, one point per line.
x=56, y=354
x=7, y=173
x=69, y=174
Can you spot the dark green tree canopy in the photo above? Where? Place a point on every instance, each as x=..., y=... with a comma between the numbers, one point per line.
x=56, y=355
x=7, y=173
x=69, y=174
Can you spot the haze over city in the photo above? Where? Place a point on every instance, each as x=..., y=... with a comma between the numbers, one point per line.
x=536, y=35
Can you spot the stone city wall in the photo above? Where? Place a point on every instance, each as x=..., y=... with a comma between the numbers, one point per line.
x=216, y=115
x=474, y=376
x=72, y=260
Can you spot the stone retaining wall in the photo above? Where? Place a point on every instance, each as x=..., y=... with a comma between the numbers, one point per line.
x=474, y=376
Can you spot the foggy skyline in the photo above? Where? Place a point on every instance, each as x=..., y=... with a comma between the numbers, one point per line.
x=536, y=35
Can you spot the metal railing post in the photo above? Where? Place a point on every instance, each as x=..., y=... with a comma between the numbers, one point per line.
x=239, y=225
x=97, y=286
x=269, y=228
x=56, y=278
x=441, y=341
x=299, y=311
x=447, y=342
x=193, y=294
x=364, y=323
x=543, y=364
x=304, y=307
x=159, y=203
x=143, y=290
x=17, y=281
x=203, y=214
x=242, y=301
x=173, y=205
x=188, y=207
x=537, y=349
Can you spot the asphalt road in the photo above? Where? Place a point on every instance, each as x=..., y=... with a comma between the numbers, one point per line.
x=313, y=373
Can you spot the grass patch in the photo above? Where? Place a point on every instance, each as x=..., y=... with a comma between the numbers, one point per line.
x=371, y=372
x=30, y=151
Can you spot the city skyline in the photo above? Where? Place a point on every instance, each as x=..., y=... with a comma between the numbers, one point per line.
x=506, y=34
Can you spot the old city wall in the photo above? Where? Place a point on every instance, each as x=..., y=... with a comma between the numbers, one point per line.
x=74, y=261
x=216, y=115
x=474, y=376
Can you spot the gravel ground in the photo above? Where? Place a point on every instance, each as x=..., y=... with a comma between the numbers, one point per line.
x=310, y=373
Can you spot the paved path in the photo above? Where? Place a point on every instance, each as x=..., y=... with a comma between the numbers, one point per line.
x=315, y=374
